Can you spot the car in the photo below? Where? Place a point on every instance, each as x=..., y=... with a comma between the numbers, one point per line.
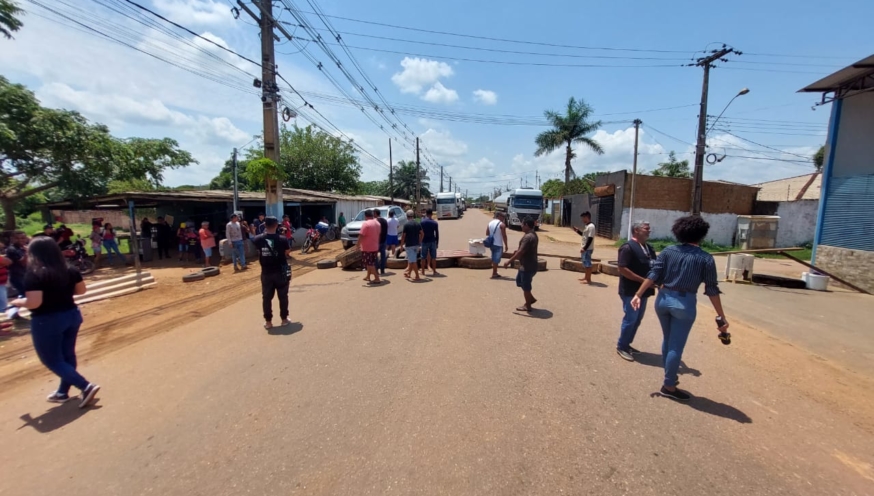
x=349, y=234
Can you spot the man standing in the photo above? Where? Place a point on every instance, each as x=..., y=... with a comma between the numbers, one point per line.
x=96, y=238
x=527, y=256
x=391, y=238
x=497, y=229
x=368, y=243
x=234, y=233
x=411, y=240
x=635, y=259
x=587, y=246
x=430, y=241
x=341, y=222
x=164, y=237
x=207, y=242
x=273, y=251
x=383, y=235
x=17, y=254
x=258, y=226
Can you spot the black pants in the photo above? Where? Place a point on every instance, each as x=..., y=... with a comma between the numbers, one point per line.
x=274, y=282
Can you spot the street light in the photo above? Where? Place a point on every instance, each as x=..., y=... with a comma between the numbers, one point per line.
x=739, y=93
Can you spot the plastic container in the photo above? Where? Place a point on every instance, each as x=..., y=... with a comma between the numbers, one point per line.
x=476, y=247
x=815, y=282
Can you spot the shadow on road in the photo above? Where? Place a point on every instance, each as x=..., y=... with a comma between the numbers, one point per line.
x=653, y=360
x=715, y=408
x=288, y=330
x=57, y=417
x=382, y=282
x=536, y=313
x=596, y=284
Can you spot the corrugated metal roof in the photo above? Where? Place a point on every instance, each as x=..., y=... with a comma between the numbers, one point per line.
x=289, y=194
x=840, y=78
x=787, y=189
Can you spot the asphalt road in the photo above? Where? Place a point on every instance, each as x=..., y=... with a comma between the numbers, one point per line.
x=438, y=387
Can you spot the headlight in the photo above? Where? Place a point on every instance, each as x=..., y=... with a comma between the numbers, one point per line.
x=344, y=231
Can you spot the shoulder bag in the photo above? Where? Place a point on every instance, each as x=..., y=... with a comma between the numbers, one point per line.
x=490, y=239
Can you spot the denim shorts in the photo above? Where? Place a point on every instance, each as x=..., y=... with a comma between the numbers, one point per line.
x=412, y=253
x=523, y=280
x=207, y=252
x=497, y=252
x=587, y=258
x=429, y=248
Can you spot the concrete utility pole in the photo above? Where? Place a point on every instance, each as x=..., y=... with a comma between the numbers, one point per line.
x=391, y=167
x=450, y=184
x=698, y=178
x=418, y=178
x=637, y=123
x=236, y=191
x=441, y=178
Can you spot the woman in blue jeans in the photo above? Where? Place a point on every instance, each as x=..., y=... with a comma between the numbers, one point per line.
x=49, y=287
x=680, y=270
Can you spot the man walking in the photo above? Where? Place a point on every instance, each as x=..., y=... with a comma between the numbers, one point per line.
x=527, y=256
x=273, y=251
x=635, y=259
x=383, y=234
x=497, y=229
x=430, y=241
x=411, y=240
x=368, y=243
x=587, y=245
x=234, y=233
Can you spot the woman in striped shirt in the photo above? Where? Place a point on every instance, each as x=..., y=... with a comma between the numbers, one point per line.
x=680, y=270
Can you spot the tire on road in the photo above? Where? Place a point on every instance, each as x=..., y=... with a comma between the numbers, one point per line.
x=326, y=264
x=445, y=263
x=349, y=257
x=396, y=263
x=541, y=264
x=211, y=271
x=193, y=277
x=610, y=268
x=577, y=266
x=475, y=262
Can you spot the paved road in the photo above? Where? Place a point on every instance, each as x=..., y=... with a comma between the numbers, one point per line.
x=438, y=387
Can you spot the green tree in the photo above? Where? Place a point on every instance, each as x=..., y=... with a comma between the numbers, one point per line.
x=59, y=152
x=374, y=188
x=819, y=158
x=554, y=188
x=225, y=179
x=313, y=159
x=568, y=129
x=260, y=170
x=405, y=181
x=9, y=21
x=673, y=168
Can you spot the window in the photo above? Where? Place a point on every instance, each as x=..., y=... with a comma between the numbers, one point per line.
x=445, y=201
x=531, y=202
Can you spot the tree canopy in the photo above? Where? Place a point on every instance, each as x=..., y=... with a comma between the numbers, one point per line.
x=9, y=21
x=60, y=152
x=404, y=181
x=673, y=168
x=819, y=158
x=569, y=128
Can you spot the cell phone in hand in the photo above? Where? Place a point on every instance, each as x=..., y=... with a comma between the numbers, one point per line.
x=725, y=337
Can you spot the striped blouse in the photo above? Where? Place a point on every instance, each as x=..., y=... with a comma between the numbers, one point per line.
x=684, y=268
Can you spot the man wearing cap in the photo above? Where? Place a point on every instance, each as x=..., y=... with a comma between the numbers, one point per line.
x=411, y=240
x=273, y=251
x=234, y=233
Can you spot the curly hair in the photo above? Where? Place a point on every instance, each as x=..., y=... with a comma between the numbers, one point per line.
x=690, y=229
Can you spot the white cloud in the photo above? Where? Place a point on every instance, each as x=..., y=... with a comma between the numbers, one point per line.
x=442, y=145
x=419, y=73
x=486, y=97
x=440, y=94
x=196, y=12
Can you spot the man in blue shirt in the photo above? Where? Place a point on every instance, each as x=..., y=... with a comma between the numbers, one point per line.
x=430, y=241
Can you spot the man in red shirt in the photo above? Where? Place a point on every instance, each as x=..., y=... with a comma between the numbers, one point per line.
x=207, y=242
x=368, y=243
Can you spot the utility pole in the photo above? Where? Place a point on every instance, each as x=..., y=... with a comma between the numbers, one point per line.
x=236, y=191
x=450, y=184
x=391, y=184
x=698, y=178
x=441, y=178
x=637, y=123
x=418, y=178
x=270, y=98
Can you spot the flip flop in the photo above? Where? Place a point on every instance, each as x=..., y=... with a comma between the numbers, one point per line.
x=374, y=283
x=523, y=309
x=268, y=326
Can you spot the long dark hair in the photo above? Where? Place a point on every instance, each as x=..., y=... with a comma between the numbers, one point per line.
x=46, y=261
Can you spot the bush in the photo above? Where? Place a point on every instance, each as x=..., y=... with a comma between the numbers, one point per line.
x=547, y=219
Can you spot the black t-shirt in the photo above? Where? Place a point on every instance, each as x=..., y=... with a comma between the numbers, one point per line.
x=637, y=260
x=55, y=297
x=528, y=245
x=411, y=233
x=272, y=248
x=383, y=229
x=17, y=269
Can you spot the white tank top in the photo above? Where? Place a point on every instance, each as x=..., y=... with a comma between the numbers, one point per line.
x=495, y=230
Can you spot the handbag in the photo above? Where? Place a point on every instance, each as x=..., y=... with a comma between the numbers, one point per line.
x=490, y=239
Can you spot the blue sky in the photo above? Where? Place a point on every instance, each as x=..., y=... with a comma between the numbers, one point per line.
x=786, y=46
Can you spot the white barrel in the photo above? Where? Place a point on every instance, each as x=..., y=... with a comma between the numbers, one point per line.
x=817, y=282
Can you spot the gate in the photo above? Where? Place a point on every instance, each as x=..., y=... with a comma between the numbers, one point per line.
x=603, y=205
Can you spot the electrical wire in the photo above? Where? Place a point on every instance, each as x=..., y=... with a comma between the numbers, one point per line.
x=768, y=147
x=669, y=136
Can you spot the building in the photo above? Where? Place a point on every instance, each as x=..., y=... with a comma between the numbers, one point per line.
x=843, y=244
x=796, y=201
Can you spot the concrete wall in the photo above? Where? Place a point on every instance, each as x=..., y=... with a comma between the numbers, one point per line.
x=797, y=223
x=854, y=266
x=854, y=154
x=722, y=226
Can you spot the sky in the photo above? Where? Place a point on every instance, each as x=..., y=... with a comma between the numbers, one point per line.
x=471, y=81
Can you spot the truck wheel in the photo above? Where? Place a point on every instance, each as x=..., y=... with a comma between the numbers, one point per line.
x=193, y=277
x=211, y=271
x=475, y=262
x=396, y=263
x=445, y=263
x=326, y=264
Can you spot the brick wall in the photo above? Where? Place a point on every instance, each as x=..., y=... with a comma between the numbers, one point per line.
x=671, y=193
x=114, y=217
x=854, y=266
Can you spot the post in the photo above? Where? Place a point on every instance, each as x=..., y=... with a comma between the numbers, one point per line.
x=637, y=123
x=418, y=178
x=391, y=168
x=270, y=97
x=236, y=191
x=134, y=242
x=441, y=178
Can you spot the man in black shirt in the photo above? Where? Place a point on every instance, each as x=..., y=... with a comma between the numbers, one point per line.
x=527, y=256
x=383, y=234
x=273, y=249
x=411, y=239
x=635, y=259
x=164, y=237
x=17, y=254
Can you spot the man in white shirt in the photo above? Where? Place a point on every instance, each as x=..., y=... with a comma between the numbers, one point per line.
x=497, y=229
x=391, y=238
x=587, y=245
x=234, y=233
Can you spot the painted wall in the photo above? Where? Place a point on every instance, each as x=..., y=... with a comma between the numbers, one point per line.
x=722, y=226
x=797, y=222
x=854, y=154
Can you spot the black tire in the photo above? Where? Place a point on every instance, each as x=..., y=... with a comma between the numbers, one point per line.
x=193, y=277
x=326, y=264
x=306, y=246
x=331, y=235
x=85, y=266
x=211, y=271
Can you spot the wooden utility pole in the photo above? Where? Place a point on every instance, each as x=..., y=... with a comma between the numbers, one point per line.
x=418, y=178
x=698, y=178
x=391, y=167
x=637, y=123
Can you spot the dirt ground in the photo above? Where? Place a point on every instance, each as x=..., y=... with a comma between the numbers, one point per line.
x=118, y=322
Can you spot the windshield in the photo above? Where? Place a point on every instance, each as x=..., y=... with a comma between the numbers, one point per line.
x=383, y=212
x=528, y=202
x=445, y=201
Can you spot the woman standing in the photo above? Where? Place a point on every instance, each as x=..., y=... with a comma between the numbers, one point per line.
x=110, y=242
x=680, y=270
x=49, y=287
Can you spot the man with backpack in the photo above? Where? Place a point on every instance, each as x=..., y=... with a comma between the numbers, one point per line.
x=273, y=251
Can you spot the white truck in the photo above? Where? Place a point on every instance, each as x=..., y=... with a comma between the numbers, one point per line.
x=447, y=206
x=519, y=204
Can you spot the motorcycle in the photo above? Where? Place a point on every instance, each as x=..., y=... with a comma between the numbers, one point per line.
x=312, y=240
x=77, y=257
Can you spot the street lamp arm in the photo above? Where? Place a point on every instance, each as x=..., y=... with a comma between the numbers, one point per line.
x=740, y=93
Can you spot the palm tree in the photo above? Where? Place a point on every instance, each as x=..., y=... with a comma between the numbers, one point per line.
x=9, y=21
x=567, y=129
x=404, y=181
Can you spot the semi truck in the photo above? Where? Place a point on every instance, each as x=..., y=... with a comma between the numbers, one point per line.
x=519, y=204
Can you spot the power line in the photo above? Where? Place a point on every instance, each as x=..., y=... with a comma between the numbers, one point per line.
x=669, y=136
x=768, y=147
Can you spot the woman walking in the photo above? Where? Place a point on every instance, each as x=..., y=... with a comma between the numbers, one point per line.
x=49, y=287
x=110, y=242
x=680, y=270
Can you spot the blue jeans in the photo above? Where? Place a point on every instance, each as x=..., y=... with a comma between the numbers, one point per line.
x=630, y=321
x=383, y=258
x=524, y=279
x=111, y=245
x=497, y=252
x=429, y=248
x=587, y=258
x=412, y=254
x=676, y=312
x=54, y=339
x=237, y=253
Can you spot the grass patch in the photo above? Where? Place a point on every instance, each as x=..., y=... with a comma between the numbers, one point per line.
x=661, y=243
x=34, y=224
